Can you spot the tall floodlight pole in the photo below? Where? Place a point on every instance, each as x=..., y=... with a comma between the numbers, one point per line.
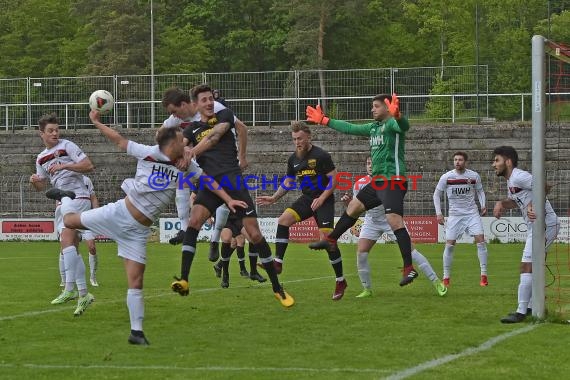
x=151, y=65
x=538, y=176
x=477, y=56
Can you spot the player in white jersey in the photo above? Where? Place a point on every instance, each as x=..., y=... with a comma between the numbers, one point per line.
x=461, y=185
x=182, y=113
x=519, y=194
x=62, y=163
x=128, y=220
x=87, y=236
x=375, y=225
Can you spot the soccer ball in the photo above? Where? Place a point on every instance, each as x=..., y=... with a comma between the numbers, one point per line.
x=102, y=101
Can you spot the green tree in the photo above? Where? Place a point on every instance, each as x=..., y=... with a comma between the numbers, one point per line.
x=242, y=35
x=182, y=50
x=121, y=31
x=33, y=33
x=510, y=24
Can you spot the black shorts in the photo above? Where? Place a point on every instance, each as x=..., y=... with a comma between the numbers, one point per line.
x=387, y=193
x=324, y=215
x=236, y=188
x=235, y=224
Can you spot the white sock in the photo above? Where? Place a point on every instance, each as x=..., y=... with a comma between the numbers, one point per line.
x=80, y=276
x=529, y=306
x=447, y=260
x=482, y=254
x=93, y=265
x=61, y=268
x=183, y=206
x=222, y=214
x=70, y=263
x=363, y=269
x=424, y=265
x=135, y=303
x=525, y=292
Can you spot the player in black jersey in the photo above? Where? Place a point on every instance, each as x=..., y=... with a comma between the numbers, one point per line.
x=214, y=146
x=315, y=173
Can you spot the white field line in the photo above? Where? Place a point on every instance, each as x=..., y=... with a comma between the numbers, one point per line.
x=467, y=352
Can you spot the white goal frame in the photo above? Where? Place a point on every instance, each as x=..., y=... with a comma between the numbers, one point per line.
x=540, y=47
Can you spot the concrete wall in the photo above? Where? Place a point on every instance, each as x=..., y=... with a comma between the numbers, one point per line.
x=429, y=149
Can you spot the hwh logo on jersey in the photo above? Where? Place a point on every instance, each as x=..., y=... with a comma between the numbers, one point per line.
x=165, y=172
x=377, y=140
x=460, y=190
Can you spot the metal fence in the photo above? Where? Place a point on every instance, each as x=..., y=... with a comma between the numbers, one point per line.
x=19, y=200
x=259, y=98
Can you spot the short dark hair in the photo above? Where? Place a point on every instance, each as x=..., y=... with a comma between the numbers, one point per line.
x=507, y=152
x=460, y=153
x=197, y=90
x=299, y=126
x=381, y=98
x=165, y=135
x=50, y=118
x=174, y=96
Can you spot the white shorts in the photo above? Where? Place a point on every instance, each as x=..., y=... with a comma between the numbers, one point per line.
x=457, y=225
x=116, y=222
x=549, y=234
x=373, y=228
x=87, y=235
x=76, y=205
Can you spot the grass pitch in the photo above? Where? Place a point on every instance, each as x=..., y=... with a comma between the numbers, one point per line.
x=243, y=332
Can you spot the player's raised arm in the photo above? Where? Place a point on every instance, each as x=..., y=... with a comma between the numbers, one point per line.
x=111, y=134
x=317, y=116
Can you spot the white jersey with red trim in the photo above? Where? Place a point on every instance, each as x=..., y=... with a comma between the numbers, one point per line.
x=519, y=189
x=461, y=189
x=65, y=152
x=156, y=179
x=89, y=185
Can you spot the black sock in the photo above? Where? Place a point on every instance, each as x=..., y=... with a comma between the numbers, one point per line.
x=265, y=255
x=252, y=258
x=336, y=262
x=343, y=224
x=281, y=241
x=226, y=253
x=188, y=252
x=241, y=257
x=405, y=244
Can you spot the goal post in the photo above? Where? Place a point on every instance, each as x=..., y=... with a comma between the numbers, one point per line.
x=538, y=175
x=550, y=87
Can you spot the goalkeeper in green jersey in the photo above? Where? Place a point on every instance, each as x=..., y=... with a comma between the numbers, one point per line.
x=388, y=187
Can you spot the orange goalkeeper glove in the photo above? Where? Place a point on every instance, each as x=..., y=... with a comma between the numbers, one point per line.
x=394, y=106
x=316, y=115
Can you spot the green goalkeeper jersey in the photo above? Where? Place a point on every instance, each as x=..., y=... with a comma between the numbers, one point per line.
x=387, y=141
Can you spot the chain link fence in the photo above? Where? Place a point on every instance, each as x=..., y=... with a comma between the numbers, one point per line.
x=259, y=98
